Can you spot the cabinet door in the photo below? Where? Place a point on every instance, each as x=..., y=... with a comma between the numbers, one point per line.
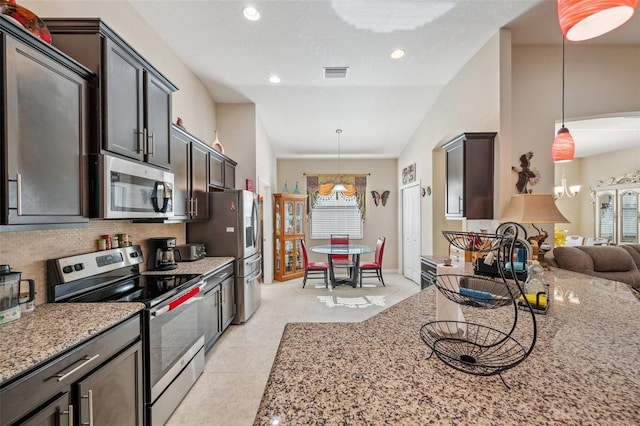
x=216, y=170
x=199, y=182
x=229, y=175
x=44, y=113
x=628, y=216
x=211, y=316
x=112, y=395
x=228, y=306
x=454, y=181
x=57, y=413
x=605, y=215
x=123, y=102
x=180, y=151
x=157, y=121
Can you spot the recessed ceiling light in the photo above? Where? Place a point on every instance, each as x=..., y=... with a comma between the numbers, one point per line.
x=251, y=13
x=398, y=53
x=274, y=79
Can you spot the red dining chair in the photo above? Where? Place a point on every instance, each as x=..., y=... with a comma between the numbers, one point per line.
x=342, y=260
x=374, y=268
x=313, y=269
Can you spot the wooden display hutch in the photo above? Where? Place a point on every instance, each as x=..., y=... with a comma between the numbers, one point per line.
x=288, y=230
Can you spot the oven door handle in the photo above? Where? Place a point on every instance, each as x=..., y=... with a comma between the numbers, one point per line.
x=177, y=302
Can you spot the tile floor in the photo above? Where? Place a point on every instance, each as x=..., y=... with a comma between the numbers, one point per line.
x=230, y=389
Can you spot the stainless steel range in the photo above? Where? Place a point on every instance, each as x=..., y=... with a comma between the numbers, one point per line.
x=173, y=333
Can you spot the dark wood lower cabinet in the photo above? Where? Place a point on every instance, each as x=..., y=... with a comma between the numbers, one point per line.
x=59, y=412
x=98, y=383
x=111, y=395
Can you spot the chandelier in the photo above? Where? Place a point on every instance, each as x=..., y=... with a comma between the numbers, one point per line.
x=562, y=190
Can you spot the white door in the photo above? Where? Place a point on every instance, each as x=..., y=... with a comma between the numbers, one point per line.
x=411, y=232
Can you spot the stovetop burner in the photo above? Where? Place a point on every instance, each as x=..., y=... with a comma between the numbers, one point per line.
x=111, y=275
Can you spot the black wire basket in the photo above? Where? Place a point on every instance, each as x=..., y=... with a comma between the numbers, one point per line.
x=475, y=241
x=477, y=291
x=478, y=350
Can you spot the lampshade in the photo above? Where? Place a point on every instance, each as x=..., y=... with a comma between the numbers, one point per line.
x=533, y=208
x=585, y=19
x=563, y=147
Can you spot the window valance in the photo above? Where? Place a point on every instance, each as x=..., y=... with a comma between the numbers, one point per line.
x=319, y=186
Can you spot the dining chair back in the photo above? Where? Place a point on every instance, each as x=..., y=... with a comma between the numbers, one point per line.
x=342, y=260
x=374, y=268
x=313, y=269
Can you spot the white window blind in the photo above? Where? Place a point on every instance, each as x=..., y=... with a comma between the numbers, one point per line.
x=336, y=216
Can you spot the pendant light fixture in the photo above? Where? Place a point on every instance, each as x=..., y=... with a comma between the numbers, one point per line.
x=563, y=190
x=586, y=19
x=563, y=147
x=339, y=187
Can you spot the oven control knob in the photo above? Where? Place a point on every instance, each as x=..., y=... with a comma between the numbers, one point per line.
x=67, y=269
x=78, y=266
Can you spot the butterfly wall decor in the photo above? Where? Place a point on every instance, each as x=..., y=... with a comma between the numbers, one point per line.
x=377, y=197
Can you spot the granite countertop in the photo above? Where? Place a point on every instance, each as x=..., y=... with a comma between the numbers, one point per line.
x=53, y=328
x=583, y=368
x=200, y=266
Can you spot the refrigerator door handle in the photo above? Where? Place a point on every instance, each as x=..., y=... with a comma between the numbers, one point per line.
x=254, y=276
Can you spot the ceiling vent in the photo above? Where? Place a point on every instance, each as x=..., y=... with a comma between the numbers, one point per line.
x=335, y=72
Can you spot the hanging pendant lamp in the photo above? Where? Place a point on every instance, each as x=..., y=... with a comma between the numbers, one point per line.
x=563, y=147
x=339, y=187
x=586, y=19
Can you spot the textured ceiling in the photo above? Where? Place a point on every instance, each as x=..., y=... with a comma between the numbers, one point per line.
x=381, y=102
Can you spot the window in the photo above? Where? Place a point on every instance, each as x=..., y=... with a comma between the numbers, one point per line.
x=336, y=214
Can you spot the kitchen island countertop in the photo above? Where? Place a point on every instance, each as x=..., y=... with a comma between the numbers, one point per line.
x=582, y=370
x=53, y=328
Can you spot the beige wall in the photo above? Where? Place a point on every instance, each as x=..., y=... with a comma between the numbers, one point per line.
x=469, y=103
x=599, y=80
x=192, y=102
x=237, y=133
x=381, y=220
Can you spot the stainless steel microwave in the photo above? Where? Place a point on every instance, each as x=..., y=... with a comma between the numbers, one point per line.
x=125, y=189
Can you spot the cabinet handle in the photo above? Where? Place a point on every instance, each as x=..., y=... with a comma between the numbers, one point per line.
x=224, y=295
x=69, y=414
x=195, y=209
x=90, y=398
x=140, y=146
x=84, y=361
x=153, y=143
x=459, y=204
x=19, y=193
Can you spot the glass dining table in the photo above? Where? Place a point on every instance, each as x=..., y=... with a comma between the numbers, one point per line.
x=354, y=250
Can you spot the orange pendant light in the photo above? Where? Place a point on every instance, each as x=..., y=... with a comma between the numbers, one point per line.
x=585, y=19
x=563, y=147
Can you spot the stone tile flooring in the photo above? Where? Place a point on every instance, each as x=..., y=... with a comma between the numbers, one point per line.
x=230, y=389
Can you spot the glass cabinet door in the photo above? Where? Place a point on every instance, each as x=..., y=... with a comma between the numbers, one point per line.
x=628, y=211
x=605, y=215
x=299, y=210
x=277, y=216
x=298, y=255
x=289, y=255
x=288, y=218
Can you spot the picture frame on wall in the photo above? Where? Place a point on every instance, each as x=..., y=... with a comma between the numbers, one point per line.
x=409, y=174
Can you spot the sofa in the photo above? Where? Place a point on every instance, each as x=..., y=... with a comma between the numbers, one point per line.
x=617, y=263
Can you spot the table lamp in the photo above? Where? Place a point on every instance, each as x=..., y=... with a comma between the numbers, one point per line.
x=532, y=209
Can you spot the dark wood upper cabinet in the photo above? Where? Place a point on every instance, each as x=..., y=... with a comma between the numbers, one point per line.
x=469, y=176
x=45, y=132
x=190, y=162
x=222, y=171
x=134, y=105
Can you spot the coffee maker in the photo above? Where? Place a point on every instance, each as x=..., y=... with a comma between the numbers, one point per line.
x=10, y=294
x=162, y=254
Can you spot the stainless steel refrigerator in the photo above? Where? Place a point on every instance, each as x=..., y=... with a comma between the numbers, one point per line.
x=233, y=230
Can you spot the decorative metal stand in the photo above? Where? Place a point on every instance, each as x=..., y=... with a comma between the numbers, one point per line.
x=468, y=346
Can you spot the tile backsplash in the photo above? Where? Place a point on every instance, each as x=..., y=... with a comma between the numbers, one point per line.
x=28, y=251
